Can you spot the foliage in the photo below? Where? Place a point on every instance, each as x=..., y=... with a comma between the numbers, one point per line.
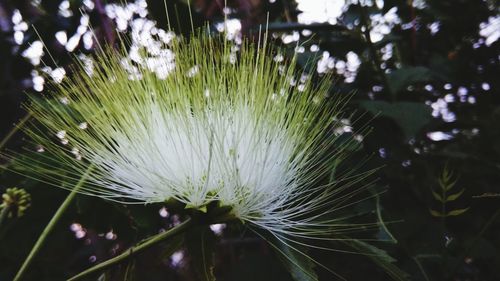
x=446, y=184
x=432, y=102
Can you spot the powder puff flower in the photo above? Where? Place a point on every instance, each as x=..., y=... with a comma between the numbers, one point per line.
x=211, y=134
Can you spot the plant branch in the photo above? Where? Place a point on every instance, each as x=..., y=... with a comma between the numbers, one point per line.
x=135, y=250
x=50, y=226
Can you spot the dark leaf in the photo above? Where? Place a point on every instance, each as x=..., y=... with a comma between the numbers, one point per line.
x=399, y=79
x=410, y=116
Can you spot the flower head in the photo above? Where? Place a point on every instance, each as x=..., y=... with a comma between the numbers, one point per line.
x=238, y=134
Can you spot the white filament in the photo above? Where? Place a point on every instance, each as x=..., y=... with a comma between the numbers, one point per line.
x=227, y=155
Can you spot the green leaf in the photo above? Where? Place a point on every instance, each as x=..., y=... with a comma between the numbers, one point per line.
x=200, y=244
x=447, y=184
x=454, y=196
x=294, y=259
x=379, y=257
x=436, y=213
x=410, y=116
x=437, y=196
x=457, y=212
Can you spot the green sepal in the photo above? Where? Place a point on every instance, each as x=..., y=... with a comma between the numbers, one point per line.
x=202, y=209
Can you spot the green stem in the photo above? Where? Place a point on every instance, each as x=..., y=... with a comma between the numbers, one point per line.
x=14, y=130
x=50, y=226
x=3, y=214
x=134, y=250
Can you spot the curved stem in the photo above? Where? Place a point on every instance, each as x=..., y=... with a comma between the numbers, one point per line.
x=135, y=250
x=41, y=240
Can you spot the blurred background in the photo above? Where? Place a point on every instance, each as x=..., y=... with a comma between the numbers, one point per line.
x=425, y=77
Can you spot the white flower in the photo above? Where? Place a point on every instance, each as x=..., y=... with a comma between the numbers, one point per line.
x=261, y=156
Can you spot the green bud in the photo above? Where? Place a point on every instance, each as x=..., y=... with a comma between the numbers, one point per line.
x=17, y=200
